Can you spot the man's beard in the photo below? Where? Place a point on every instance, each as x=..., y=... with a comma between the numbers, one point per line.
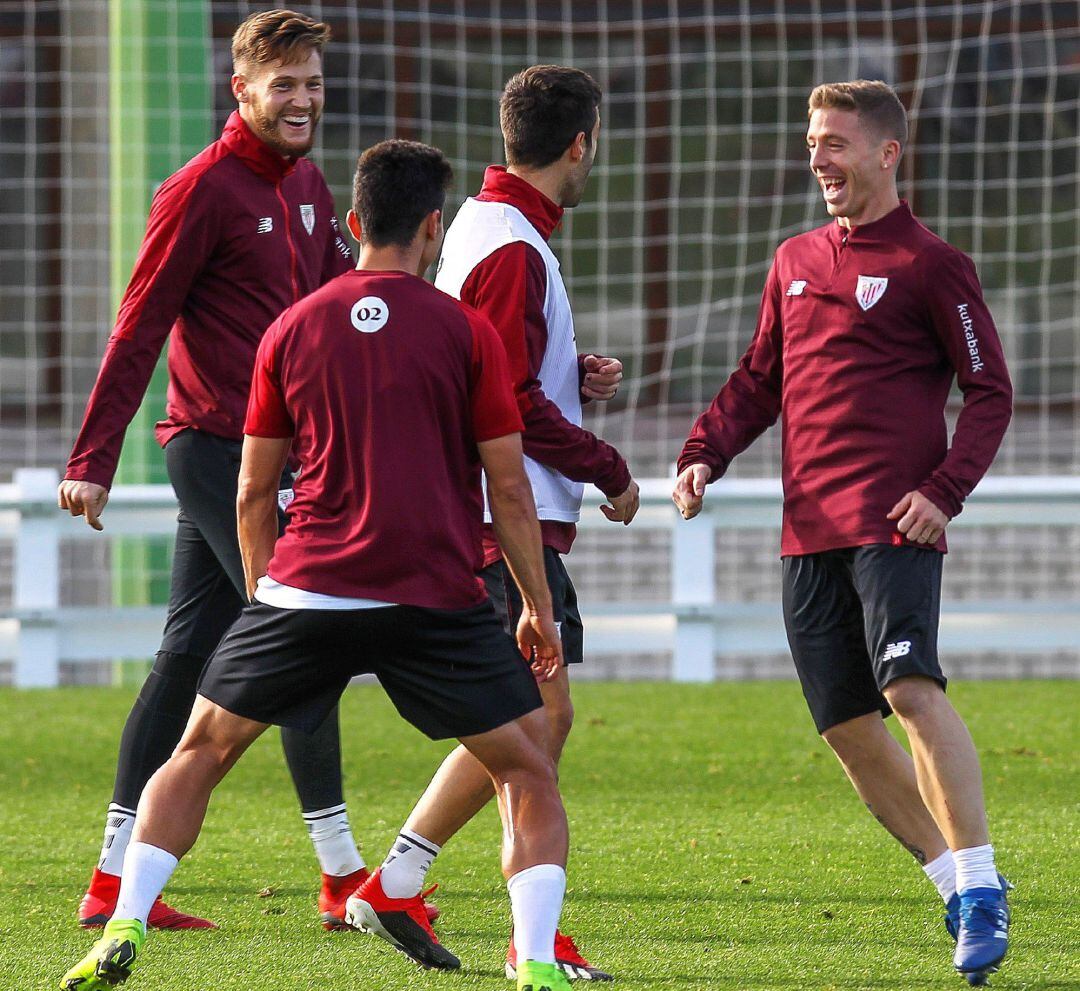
x=267, y=132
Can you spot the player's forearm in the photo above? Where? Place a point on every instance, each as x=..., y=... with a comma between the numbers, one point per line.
x=257, y=530
x=513, y=514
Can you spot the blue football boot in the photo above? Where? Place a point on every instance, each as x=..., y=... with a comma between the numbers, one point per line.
x=952, y=909
x=984, y=934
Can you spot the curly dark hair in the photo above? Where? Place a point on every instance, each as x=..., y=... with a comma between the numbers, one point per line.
x=543, y=109
x=397, y=184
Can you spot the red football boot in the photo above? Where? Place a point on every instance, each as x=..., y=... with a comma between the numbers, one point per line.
x=335, y=893
x=402, y=922
x=575, y=966
x=99, y=903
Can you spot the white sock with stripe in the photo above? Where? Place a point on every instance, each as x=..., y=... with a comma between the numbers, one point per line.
x=942, y=871
x=147, y=870
x=975, y=868
x=536, y=897
x=333, y=840
x=119, y=822
x=402, y=873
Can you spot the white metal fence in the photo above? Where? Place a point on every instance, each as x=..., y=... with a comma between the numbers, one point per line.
x=692, y=623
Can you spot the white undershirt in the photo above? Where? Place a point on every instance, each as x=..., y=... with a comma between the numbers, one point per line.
x=272, y=593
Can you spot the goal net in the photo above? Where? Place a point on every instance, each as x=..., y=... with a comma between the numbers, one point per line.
x=701, y=172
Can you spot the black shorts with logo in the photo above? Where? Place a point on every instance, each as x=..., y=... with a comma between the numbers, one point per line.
x=451, y=673
x=506, y=598
x=857, y=618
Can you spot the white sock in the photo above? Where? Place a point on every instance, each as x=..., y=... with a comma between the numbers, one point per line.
x=536, y=897
x=406, y=865
x=333, y=840
x=147, y=870
x=975, y=868
x=942, y=871
x=119, y=822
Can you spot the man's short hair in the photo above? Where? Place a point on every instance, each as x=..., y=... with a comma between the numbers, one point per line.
x=543, y=108
x=277, y=37
x=874, y=101
x=397, y=184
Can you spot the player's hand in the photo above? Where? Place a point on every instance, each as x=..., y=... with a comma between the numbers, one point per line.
x=689, y=490
x=623, y=507
x=539, y=642
x=602, y=377
x=920, y=520
x=83, y=499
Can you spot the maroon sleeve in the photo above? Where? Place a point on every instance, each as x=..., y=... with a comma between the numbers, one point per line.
x=181, y=233
x=963, y=323
x=508, y=287
x=267, y=415
x=338, y=258
x=494, y=409
x=749, y=402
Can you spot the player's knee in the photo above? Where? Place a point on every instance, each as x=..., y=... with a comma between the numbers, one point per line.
x=560, y=722
x=853, y=739
x=913, y=696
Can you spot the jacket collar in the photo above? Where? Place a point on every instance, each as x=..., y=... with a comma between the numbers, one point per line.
x=896, y=220
x=502, y=187
x=257, y=155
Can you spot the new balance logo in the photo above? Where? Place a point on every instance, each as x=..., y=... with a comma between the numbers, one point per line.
x=266, y=225
x=796, y=288
x=894, y=650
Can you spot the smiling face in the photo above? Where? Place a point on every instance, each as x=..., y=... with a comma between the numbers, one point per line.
x=282, y=102
x=854, y=166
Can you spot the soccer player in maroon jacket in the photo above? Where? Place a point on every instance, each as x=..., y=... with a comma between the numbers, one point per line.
x=864, y=324
x=496, y=258
x=389, y=391
x=242, y=231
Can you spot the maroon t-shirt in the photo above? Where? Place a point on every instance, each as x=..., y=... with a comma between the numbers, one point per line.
x=859, y=337
x=386, y=385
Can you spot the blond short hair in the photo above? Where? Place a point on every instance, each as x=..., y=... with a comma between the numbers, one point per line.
x=874, y=101
x=276, y=37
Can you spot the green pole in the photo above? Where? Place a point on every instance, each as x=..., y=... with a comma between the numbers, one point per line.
x=161, y=101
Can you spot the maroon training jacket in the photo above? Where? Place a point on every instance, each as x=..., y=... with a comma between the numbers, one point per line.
x=233, y=238
x=859, y=337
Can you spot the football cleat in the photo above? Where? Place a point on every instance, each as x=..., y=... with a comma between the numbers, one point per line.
x=402, y=922
x=567, y=958
x=533, y=976
x=984, y=934
x=335, y=892
x=99, y=903
x=110, y=960
x=952, y=909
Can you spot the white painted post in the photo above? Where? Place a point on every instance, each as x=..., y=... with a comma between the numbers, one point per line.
x=37, y=579
x=693, y=594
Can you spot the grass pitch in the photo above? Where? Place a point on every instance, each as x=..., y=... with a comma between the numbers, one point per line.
x=715, y=845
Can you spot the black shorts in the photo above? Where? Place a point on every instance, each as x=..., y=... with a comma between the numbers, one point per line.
x=451, y=673
x=858, y=618
x=506, y=598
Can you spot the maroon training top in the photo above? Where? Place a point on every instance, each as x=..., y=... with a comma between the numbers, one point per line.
x=386, y=385
x=233, y=237
x=859, y=336
x=509, y=287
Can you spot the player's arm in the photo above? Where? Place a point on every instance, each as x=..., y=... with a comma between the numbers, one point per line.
x=963, y=323
x=496, y=425
x=513, y=514
x=744, y=408
x=180, y=234
x=268, y=433
x=508, y=287
x=598, y=376
x=261, y=465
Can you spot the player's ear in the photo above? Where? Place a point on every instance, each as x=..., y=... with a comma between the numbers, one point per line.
x=352, y=221
x=890, y=154
x=434, y=225
x=238, y=84
x=576, y=151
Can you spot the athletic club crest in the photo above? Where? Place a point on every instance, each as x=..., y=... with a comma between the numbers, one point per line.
x=307, y=215
x=869, y=290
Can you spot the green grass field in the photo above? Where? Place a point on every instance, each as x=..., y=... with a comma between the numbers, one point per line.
x=715, y=844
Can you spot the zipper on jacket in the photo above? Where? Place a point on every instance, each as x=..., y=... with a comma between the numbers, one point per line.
x=292, y=247
x=839, y=261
